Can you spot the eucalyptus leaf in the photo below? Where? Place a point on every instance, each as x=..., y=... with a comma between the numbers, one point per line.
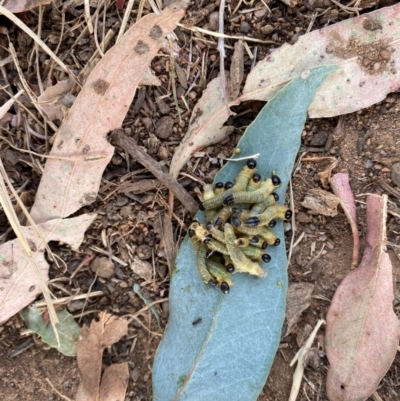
x=68, y=330
x=221, y=347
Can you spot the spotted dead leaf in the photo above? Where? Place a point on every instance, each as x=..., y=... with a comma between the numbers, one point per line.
x=369, y=58
x=81, y=151
x=19, y=283
x=322, y=202
x=91, y=344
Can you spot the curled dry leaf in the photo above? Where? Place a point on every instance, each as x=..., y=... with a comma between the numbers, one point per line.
x=91, y=344
x=298, y=299
x=362, y=331
x=341, y=188
x=369, y=61
x=49, y=100
x=205, y=126
x=18, y=281
x=319, y=201
x=81, y=152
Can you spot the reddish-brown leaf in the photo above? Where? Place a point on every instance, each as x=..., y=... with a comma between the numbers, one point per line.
x=362, y=331
x=341, y=188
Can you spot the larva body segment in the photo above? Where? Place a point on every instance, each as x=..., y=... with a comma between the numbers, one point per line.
x=243, y=179
x=268, y=236
x=242, y=242
x=241, y=262
x=201, y=256
x=273, y=212
x=211, y=214
x=241, y=185
x=208, y=192
x=217, y=246
x=195, y=241
x=241, y=228
x=259, y=208
x=223, y=216
x=254, y=183
x=256, y=253
x=266, y=188
x=216, y=234
x=219, y=272
x=201, y=233
x=217, y=201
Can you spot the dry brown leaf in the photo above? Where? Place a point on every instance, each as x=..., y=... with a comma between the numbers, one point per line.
x=208, y=116
x=18, y=282
x=142, y=268
x=68, y=185
x=362, y=331
x=49, y=100
x=322, y=202
x=298, y=300
x=19, y=6
x=91, y=344
x=114, y=382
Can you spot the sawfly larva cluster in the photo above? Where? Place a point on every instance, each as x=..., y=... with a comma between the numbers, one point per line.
x=239, y=218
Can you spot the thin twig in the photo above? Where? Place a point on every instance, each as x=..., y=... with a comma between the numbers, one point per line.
x=299, y=357
x=155, y=168
x=221, y=50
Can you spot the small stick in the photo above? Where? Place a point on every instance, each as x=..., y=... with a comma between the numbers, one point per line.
x=147, y=161
x=299, y=357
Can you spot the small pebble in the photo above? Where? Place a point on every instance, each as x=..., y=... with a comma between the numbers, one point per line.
x=368, y=164
x=396, y=174
x=267, y=29
x=122, y=201
x=164, y=127
x=162, y=153
x=319, y=138
x=244, y=27
x=143, y=251
x=103, y=267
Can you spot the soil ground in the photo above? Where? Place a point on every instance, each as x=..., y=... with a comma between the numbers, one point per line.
x=366, y=145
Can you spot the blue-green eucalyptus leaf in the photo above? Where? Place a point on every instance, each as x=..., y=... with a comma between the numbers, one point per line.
x=68, y=330
x=221, y=347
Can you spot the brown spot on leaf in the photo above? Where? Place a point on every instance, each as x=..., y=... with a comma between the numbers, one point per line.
x=86, y=149
x=100, y=86
x=373, y=58
x=32, y=245
x=32, y=288
x=370, y=24
x=141, y=47
x=156, y=32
